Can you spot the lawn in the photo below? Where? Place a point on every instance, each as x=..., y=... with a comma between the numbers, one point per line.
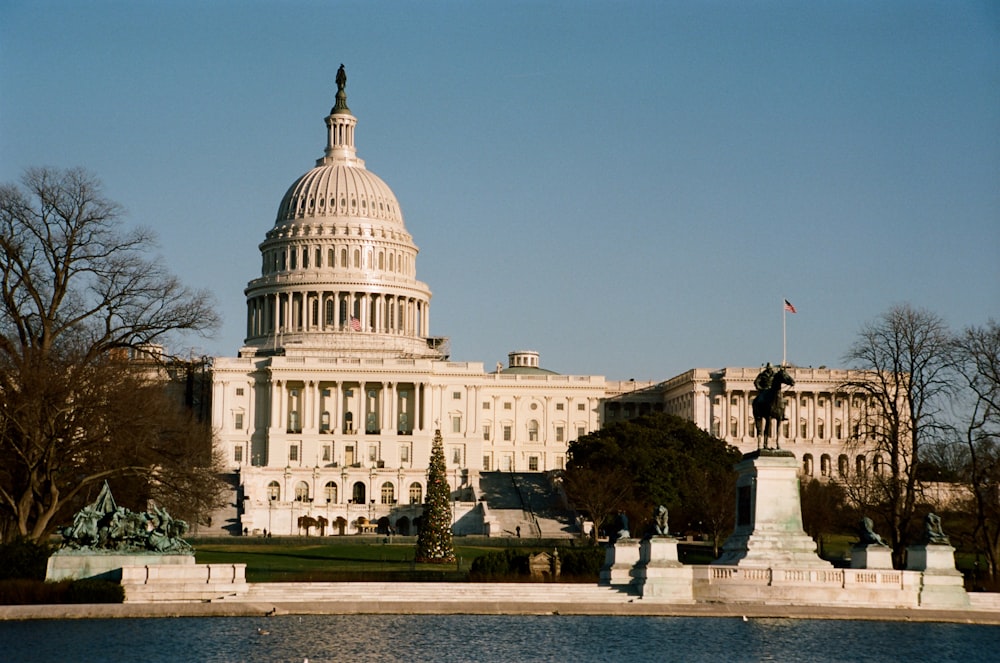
x=277, y=560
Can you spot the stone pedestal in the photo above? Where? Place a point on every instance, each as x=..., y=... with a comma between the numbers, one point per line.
x=769, y=516
x=871, y=556
x=619, y=559
x=941, y=584
x=659, y=574
x=106, y=566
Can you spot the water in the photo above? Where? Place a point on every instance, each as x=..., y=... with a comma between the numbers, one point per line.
x=456, y=638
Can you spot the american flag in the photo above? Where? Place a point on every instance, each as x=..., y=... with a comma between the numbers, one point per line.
x=355, y=324
x=789, y=307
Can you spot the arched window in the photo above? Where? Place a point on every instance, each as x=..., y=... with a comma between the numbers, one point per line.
x=330, y=492
x=824, y=465
x=878, y=465
x=302, y=492
x=343, y=258
x=388, y=493
x=358, y=494
x=843, y=465
x=860, y=466
x=807, y=465
x=273, y=491
x=838, y=429
x=357, y=258
x=330, y=253
x=734, y=427
x=820, y=429
x=533, y=431
x=416, y=493
x=803, y=428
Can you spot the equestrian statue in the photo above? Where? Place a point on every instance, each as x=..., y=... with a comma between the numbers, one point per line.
x=768, y=404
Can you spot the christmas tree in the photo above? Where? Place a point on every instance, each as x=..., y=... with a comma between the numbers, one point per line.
x=434, y=539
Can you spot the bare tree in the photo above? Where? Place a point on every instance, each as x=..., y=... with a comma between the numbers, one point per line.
x=977, y=358
x=598, y=493
x=78, y=293
x=905, y=353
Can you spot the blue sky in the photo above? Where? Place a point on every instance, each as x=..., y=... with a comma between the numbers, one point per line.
x=629, y=188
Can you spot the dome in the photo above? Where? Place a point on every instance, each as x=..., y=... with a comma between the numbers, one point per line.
x=339, y=190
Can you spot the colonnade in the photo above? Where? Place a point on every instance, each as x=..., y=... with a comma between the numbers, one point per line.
x=313, y=310
x=349, y=407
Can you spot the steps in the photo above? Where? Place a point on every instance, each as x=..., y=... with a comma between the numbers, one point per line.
x=437, y=592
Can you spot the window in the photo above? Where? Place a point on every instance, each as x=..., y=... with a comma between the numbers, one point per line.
x=507, y=405
x=807, y=465
x=238, y=455
x=372, y=453
x=820, y=429
x=559, y=434
x=456, y=456
x=843, y=465
x=404, y=454
x=824, y=465
x=803, y=428
x=486, y=463
x=416, y=493
x=330, y=492
x=533, y=463
x=273, y=491
x=581, y=406
x=388, y=493
x=580, y=431
x=326, y=453
x=734, y=427
x=506, y=433
x=560, y=406
x=239, y=391
x=533, y=431
x=302, y=492
x=486, y=405
x=734, y=400
x=456, y=395
x=238, y=421
x=560, y=462
x=486, y=432
x=293, y=452
x=456, y=424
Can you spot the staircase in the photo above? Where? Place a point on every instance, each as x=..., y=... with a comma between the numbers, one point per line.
x=428, y=592
x=524, y=500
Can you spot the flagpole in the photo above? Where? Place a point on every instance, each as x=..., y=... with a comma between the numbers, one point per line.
x=784, y=315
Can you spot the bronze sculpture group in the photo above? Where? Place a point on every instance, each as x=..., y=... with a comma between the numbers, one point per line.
x=103, y=526
x=769, y=405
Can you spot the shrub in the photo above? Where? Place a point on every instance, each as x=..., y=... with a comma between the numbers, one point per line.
x=22, y=591
x=91, y=590
x=22, y=558
x=582, y=562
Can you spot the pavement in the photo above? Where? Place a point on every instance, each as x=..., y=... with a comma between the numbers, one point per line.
x=489, y=604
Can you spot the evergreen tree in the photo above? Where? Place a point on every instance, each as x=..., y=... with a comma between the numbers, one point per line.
x=434, y=539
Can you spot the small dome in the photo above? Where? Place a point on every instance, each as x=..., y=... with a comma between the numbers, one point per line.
x=339, y=190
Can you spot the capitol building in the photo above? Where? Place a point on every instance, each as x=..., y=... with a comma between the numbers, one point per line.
x=331, y=406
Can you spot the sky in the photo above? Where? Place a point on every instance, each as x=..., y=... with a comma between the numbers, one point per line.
x=629, y=188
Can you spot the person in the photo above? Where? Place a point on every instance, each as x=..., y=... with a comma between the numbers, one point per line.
x=763, y=380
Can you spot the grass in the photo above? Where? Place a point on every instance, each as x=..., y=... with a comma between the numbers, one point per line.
x=280, y=560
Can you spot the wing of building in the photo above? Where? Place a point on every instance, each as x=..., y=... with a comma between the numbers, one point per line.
x=330, y=407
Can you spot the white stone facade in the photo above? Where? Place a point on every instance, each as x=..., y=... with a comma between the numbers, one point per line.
x=331, y=406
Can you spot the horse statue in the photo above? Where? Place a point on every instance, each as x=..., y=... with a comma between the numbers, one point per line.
x=768, y=404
